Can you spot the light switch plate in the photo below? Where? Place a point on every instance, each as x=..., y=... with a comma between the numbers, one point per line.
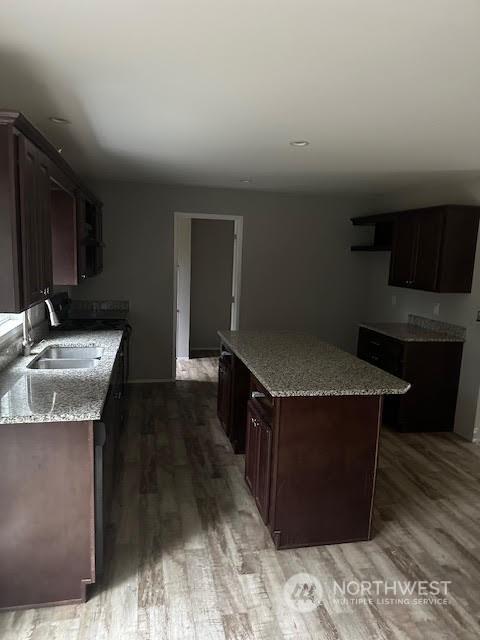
x=436, y=309
x=394, y=301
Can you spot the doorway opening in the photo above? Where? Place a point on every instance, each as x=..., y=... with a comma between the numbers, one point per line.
x=207, y=277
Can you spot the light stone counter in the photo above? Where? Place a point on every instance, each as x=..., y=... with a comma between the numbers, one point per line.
x=61, y=395
x=292, y=364
x=418, y=329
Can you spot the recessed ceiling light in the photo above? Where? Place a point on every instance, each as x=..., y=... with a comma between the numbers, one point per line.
x=58, y=120
x=246, y=180
x=299, y=143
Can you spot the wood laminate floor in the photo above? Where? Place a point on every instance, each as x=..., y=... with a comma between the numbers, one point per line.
x=191, y=559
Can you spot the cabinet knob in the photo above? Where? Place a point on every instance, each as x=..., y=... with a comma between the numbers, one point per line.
x=83, y=276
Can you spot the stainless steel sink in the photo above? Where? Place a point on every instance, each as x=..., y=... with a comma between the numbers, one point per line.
x=71, y=353
x=63, y=363
x=67, y=358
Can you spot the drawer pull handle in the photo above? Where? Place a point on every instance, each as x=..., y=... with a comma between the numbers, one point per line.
x=257, y=394
x=225, y=354
x=375, y=344
x=375, y=358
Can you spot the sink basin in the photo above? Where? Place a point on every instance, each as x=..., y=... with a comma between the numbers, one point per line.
x=67, y=358
x=71, y=353
x=64, y=363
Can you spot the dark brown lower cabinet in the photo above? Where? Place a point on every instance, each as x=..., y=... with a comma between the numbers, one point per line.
x=433, y=370
x=233, y=389
x=107, y=435
x=56, y=486
x=47, y=501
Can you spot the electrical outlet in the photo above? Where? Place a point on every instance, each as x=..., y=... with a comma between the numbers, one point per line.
x=394, y=301
x=436, y=309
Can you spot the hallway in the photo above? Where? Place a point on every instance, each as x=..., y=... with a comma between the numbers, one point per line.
x=190, y=557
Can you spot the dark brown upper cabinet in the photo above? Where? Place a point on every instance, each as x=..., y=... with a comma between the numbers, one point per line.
x=90, y=237
x=25, y=247
x=434, y=249
x=39, y=240
x=64, y=230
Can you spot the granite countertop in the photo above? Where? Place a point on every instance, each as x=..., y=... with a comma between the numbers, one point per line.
x=58, y=395
x=292, y=364
x=408, y=332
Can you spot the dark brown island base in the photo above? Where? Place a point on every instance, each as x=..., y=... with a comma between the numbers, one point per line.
x=308, y=417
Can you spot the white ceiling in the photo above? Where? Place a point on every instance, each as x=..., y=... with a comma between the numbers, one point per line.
x=210, y=92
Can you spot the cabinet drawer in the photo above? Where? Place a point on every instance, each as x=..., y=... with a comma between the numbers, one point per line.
x=381, y=351
x=261, y=399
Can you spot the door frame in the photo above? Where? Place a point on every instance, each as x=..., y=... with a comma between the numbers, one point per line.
x=180, y=217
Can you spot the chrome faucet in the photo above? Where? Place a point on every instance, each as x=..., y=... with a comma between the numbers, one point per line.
x=27, y=326
x=54, y=321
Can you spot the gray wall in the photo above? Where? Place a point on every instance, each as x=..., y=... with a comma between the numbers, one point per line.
x=297, y=272
x=456, y=308
x=211, y=281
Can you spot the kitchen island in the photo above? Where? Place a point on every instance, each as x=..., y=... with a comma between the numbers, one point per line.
x=307, y=415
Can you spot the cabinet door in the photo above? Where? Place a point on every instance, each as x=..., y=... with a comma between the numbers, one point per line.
x=90, y=237
x=32, y=233
x=403, y=251
x=427, y=255
x=263, y=472
x=251, y=451
x=82, y=233
x=99, y=240
x=44, y=204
